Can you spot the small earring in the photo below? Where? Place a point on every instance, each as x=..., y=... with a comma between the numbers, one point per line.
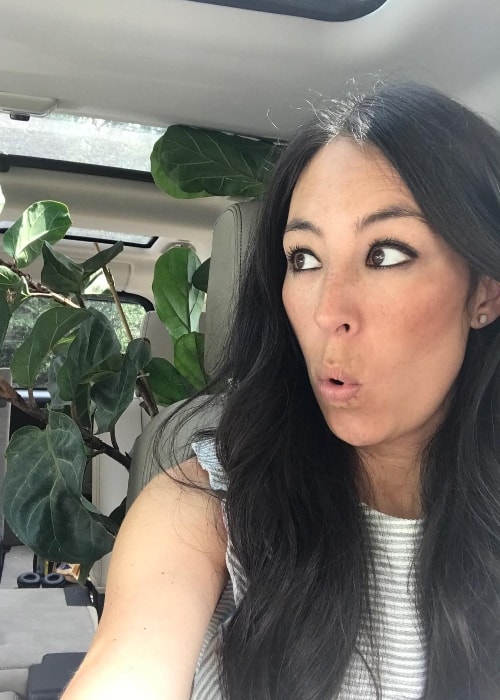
x=482, y=318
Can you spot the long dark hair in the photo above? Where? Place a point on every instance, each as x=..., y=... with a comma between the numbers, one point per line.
x=293, y=510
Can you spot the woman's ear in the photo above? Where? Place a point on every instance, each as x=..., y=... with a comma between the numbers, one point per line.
x=485, y=307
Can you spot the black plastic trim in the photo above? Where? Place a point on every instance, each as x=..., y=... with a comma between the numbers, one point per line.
x=8, y=161
x=108, y=241
x=326, y=10
x=126, y=296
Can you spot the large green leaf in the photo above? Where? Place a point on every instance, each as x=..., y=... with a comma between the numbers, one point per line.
x=117, y=515
x=48, y=330
x=13, y=286
x=139, y=351
x=112, y=396
x=63, y=275
x=60, y=273
x=42, y=221
x=167, y=384
x=202, y=162
x=200, y=277
x=109, y=523
x=105, y=369
x=82, y=407
x=13, y=291
x=188, y=359
x=10, y=280
x=94, y=342
x=56, y=402
x=160, y=172
x=42, y=494
x=101, y=259
x=5, y=316
x=177, y=302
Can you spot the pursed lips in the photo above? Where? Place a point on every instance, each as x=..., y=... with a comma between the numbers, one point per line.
x=337, y=386
x=337, y=375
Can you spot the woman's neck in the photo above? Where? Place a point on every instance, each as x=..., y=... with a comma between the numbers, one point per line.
x=391, y=484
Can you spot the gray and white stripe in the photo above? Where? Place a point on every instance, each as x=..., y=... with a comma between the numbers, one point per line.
x=399, y=636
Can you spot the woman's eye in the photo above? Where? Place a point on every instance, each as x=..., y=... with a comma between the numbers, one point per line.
x=388, y=256
x=300, y=260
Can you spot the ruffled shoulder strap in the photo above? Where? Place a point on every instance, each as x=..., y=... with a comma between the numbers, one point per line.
x=207, y=457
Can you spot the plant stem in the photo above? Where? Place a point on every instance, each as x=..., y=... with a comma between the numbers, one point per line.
x=41, y=415
x=99, y=446
x=112, y=288
x=143, y=388
x=31, y=397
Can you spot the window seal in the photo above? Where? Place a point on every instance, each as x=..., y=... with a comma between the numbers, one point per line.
x=8, y=161
x=325, y=10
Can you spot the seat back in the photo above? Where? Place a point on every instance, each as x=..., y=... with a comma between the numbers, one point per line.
x=229, y=244
x=151, y=453
x=161, y=342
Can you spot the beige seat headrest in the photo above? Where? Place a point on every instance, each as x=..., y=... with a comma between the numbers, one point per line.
x=230, y=240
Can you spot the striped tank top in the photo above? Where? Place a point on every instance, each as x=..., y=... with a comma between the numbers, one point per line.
x=401, y=646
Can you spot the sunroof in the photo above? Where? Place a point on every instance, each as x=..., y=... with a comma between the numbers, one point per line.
x=80, y=140
x=110, y=237
x=100, y=236
x=328, y=10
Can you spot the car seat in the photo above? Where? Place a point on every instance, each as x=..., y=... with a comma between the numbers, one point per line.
x=172, y=438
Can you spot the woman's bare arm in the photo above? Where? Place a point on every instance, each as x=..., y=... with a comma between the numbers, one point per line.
x=166, y=575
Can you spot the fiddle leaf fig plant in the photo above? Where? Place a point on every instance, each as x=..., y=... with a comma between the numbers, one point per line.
x=63, y=526
x=187, y=162
x=91, y=381
x=91, y=378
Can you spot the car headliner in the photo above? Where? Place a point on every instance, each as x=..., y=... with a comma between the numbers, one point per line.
x=160, y=62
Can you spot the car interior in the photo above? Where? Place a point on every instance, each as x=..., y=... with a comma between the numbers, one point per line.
x=86, y=90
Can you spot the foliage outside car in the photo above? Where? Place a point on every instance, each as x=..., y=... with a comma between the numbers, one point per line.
x=91, y=381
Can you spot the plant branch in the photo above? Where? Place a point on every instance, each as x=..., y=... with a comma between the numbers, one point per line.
x=38, y=289
x=144, y=390
x=112, y=435
x=98, y=445
x=10, y=394
x=41, y=415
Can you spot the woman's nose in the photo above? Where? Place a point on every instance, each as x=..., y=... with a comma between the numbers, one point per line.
x=336, y=308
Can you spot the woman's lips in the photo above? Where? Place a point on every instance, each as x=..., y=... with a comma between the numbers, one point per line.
x=336, y=392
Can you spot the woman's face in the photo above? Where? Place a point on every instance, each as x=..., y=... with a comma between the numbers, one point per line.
x=378, y=302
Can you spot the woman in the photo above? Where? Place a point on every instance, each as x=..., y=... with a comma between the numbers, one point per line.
x=358, y=449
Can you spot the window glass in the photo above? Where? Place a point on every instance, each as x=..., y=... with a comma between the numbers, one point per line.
x=80, y=140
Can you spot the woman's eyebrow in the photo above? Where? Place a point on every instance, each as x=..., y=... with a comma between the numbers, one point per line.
x=302, y=225
x=394, y=212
